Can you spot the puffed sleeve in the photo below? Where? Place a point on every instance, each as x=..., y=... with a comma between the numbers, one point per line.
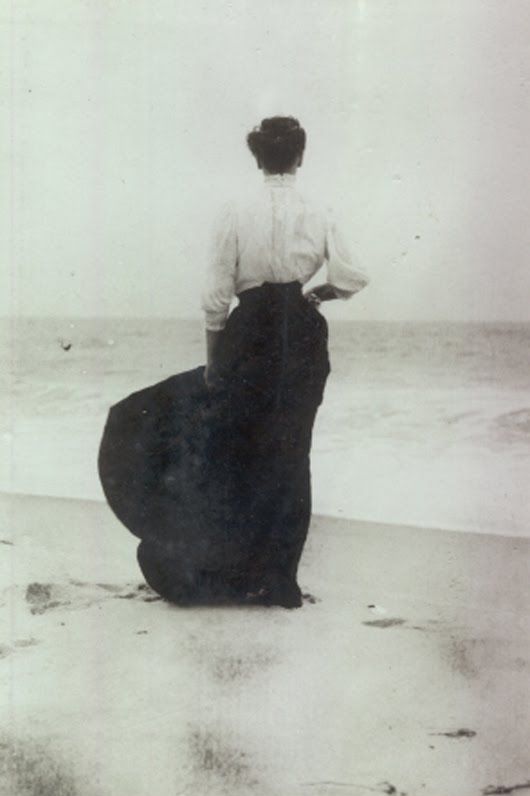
x=219, y=283
x=343, y=271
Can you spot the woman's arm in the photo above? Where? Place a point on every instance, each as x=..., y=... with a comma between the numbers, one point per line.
x=219, y=281
x=344, y=277
x=212, y=339
x=219, y=285
x=324, y=292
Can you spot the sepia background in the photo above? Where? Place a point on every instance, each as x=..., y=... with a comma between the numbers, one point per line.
x=123, y=127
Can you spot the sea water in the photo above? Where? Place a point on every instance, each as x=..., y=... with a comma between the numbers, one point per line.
x=422, y=423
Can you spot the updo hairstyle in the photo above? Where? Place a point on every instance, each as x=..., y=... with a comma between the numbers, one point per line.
x=277, y=143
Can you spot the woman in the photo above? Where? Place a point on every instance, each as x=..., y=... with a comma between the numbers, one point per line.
x=211, y=467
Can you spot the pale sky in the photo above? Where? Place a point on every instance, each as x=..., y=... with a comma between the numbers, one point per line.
x=124, y=125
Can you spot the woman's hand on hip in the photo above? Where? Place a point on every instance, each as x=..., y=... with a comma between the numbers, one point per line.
x=320, y=293
x=313, y=298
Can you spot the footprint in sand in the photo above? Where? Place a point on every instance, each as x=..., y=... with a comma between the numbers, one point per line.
x=44, y=597
x=141, y=592
x=461, y=733
x=310, y=598
x=6, y=650
x=385, y=622
x=26, y=642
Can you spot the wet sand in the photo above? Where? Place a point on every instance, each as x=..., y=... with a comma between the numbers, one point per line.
x=407, y=671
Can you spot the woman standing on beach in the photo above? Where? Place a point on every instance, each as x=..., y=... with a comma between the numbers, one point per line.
x=211, y=467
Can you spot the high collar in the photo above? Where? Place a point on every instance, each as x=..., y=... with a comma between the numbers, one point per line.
x=280, y=179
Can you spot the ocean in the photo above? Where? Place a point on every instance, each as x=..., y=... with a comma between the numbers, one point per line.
x=422, y=423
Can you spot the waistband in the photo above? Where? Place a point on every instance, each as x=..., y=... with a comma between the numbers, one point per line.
x=271, y=291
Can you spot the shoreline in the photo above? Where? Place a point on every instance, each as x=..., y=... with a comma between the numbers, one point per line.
x=316, y=516
x=428, y=427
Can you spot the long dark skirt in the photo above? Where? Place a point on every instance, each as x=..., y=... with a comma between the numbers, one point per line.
x=216, y=481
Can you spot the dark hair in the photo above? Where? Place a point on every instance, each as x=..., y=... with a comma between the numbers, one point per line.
x=277, y=143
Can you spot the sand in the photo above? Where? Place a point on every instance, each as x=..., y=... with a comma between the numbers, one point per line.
x=406, y=671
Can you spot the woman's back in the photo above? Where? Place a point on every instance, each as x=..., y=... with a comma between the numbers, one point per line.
x=274, y=234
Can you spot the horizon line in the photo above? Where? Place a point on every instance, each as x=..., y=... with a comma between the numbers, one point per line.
x=460, y=321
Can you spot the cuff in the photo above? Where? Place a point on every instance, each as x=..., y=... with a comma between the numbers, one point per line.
x=215, y=321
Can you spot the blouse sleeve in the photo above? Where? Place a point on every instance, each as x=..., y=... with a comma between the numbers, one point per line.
x=343, y=271
x=219, y=284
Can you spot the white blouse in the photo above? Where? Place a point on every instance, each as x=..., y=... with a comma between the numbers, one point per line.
x=274, y=235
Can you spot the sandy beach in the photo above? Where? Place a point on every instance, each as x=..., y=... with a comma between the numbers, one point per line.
x=407, y=669
x=405, y=672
